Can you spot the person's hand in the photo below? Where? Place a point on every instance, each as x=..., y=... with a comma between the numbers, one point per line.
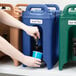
x=32, y=62
x=30, y=30
x=33, y=31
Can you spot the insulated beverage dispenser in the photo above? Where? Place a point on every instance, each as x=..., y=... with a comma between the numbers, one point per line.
x=44, y=21
x=67, y=35
x=53, y=8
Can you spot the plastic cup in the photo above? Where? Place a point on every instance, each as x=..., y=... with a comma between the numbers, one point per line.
x=37, y=54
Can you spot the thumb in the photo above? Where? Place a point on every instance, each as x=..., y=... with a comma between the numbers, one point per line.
x=38, y=35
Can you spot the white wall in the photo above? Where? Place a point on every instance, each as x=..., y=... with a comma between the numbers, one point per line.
x=61, y=3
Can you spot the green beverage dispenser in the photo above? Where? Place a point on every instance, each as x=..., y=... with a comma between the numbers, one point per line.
x=67, y=35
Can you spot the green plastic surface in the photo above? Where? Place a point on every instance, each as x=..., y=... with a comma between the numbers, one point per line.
x=67, y=31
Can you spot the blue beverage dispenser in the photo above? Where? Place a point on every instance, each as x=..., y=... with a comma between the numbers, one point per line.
x=54, y=8
x=44, y=21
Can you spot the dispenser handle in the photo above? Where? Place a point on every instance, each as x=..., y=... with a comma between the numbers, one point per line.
x=6, y=5
x=42, y=6
x=53, y=5
x=18, y=5
x=72, y=11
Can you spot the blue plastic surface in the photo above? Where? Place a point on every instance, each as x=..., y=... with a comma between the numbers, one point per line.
x=55, y=43
x=47, y=22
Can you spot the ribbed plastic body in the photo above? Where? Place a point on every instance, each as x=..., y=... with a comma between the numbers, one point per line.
x=56, y=12
x=44, y=20
x=67, y=35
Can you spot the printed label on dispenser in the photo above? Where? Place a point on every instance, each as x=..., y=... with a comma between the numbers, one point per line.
x=36, y=21
x=71, y=22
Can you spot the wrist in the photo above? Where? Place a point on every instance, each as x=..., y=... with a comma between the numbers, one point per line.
x=22, y=58
x=24, y=27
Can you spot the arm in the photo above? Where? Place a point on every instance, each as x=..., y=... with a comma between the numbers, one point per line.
x=11, y=21
x=8, y=49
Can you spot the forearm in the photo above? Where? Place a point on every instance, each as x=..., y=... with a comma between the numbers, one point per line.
x=11, y=21
x=8, y=49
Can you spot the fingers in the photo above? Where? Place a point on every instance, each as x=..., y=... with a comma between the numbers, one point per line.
x=32, y=62
x=34, y=36
x=38, y=34
x=38, y=59
x=36, y=65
